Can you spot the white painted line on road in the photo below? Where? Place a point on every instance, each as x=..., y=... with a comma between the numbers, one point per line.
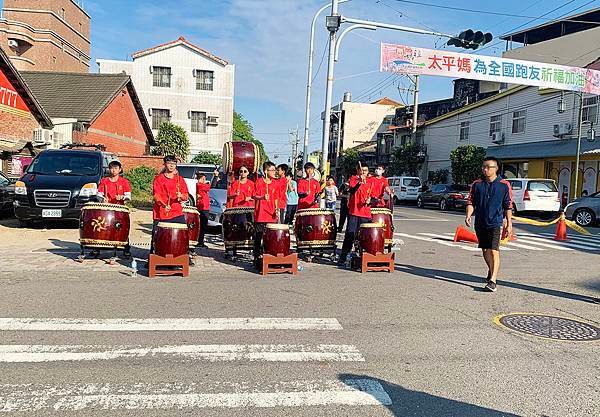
x=168, y=324
x=441, y=242
x=399, y=219
x=519, y=245
x=211, y=353
x=564, y=244
x=594, y=240
x=548, y=244
x=350, y=392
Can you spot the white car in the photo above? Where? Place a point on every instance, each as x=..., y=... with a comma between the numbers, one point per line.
x=405, y=188
x=217, y=194
x=534, y=194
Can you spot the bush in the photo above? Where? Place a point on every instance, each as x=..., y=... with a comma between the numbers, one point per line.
x=207, y=158
x=440, y=176
x=141, y=179
x=172, y=140
x=466, y=163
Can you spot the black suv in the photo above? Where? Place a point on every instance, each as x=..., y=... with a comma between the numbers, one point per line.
x=59, y=182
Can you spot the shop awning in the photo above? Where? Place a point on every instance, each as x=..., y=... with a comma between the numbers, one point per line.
x=544, y=149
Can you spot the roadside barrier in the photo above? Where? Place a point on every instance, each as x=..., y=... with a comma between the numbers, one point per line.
x=561, y=227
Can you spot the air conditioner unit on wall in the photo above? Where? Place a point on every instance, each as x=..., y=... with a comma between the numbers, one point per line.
x=562, y=129
x=42, y=136
x=497, y=137
x=212, y=120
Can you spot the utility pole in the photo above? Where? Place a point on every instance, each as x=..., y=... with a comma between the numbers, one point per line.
x=294, y=140
x=415, y=109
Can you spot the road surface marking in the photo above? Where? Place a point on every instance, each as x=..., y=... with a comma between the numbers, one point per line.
x=28, y=398
x=563, y=244
x=593, y=240
x=164, y=324
x=441, y=242
x=398, y=219
x=519, y=245
x=449, y=239
x=210, y=353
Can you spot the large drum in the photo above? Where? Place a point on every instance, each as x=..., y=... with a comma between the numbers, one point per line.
x=238, y=227
x=104, y=225
x=315, y=228
x=276, y=239
x=238, y=154
x=171, y=239
x=192, y=219
x=384, y=217
x=371, y=238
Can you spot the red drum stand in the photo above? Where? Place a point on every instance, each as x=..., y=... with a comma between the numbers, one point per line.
x=280, y=264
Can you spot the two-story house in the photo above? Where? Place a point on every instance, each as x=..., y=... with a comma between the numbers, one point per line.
x=186, y=85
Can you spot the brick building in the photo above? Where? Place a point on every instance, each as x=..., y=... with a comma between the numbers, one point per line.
x=104, y=108
x=20, y=115
x=46, y=35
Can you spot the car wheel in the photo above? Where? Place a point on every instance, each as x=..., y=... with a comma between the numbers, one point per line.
x=25, y=223
x=514, y=210
x=443, y=204
x=584, y=217
x=396, y=201
x=420, y=202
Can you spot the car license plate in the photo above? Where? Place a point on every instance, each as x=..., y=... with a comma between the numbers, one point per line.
x=51, y=213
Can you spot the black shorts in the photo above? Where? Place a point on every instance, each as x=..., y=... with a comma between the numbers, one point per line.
x=489, y=238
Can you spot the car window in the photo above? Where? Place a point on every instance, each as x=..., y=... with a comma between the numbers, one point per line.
x=411, y=182
x=516, y=185
x=459, y=188
x=437, y=189
x=395, y=183
x=595, y=195
x=547, y=186
x=187, y=172
x=221, y=183
x=65, y=164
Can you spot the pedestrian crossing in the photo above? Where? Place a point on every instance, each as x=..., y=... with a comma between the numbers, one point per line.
x=525, y=242
x=126, y=394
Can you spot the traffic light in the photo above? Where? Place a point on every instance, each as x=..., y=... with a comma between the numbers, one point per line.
x=469, y=39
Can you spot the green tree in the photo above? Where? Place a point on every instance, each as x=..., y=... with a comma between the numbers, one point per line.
x=407, y=159
x=206, y=157
x=141, y=179
x=440, y=176
x=242, y=131
x=348, y=162
x=466, y=163
x=172, y=140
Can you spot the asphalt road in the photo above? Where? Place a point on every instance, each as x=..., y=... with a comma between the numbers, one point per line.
x=421, y=341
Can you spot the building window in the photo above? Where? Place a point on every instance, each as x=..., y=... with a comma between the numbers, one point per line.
x=198, y=121
x=518, y=123
x=160, y=116
x=590, y=109
x=204, y=80
x=495, y=124
x=161, y=76
x=464, y=130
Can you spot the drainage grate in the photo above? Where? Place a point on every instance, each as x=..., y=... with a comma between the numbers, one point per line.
x=550, y=327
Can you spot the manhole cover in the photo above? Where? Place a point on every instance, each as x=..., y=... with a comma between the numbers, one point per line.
x=550, y=327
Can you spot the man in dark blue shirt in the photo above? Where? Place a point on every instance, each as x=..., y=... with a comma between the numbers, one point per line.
x=490, y=200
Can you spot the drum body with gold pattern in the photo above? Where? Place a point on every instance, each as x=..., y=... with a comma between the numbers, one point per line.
x=103, y=225
x=238, y=154
x=315, y=228
x=384, y=217
x=192, y=219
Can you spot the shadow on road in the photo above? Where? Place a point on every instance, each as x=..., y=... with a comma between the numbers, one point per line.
x=462, y=278
x=406, y=402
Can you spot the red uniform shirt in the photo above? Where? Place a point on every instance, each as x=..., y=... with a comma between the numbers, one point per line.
x=379, y=186
x=283, y=183
x=111, y=190
x=357, y=203
x=311, y=187
x=165, y=193
x=265, y=211
x=238, y=192
x=202, y=198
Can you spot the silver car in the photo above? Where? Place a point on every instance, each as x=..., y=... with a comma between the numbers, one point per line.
x=217, y=194
x=585, y=211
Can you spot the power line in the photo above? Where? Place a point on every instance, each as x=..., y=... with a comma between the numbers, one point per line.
x=546, y=14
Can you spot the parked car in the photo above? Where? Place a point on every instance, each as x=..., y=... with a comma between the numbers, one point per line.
x=7, y=194
x=217, y=194
x=534, y=195
x=405, y=188
x=585, y=211
x=444, y=196
x=59, y=182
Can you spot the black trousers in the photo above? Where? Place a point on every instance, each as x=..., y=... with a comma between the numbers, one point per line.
x=343, y=213
x=203, y=226
x=290, y=212
x=178, y=219
x=352, y=228
x=259, y=229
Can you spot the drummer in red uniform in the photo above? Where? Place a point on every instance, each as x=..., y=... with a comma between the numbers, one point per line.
x=308, y=189
x=266, y=197
x=203, y=203
x=381, y=186
x=359, y=208
x=169, y=192
x=283, y=182
x=240, y=192
x=115, y=189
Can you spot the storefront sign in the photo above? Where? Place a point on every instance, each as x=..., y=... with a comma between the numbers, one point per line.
x=9, y=96
x=410, y=60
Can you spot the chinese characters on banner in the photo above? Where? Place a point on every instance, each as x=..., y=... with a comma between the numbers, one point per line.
x=410, y=60
x=9, y=96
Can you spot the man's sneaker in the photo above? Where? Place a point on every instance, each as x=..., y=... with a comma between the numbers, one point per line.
x=491, y=286
x=489, y=276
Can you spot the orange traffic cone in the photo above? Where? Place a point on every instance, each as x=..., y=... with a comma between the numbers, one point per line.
x=505, y=233
x=463, y=234
x=561, y=228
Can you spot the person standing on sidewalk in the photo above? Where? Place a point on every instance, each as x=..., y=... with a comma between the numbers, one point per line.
x=490, y=200
x=292, y=199
x=344, y=195
x=331, y=194
x=203, y=202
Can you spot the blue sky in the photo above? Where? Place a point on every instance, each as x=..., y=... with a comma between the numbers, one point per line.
x=267, y=40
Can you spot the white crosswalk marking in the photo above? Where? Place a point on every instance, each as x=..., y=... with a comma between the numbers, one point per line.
x=211, y=353
x=350, y=392
x=584, y=246
x=543, y=244
x=447, y=238
x=441, y=242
